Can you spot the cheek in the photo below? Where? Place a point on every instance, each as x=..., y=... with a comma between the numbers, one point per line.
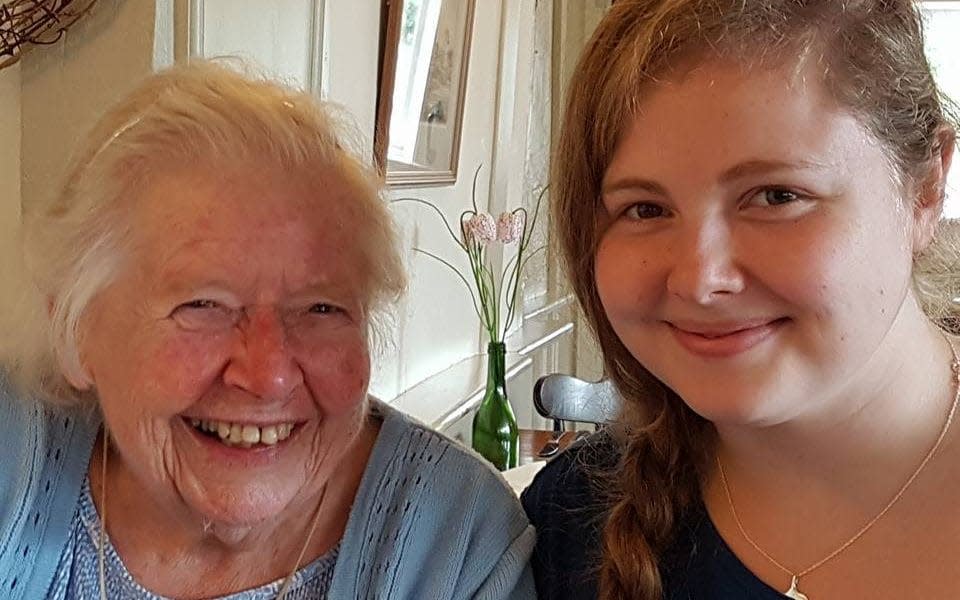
x=843, y=286
x=856, y=269
x=183, y=367
x=623, y=277
x=338, y=377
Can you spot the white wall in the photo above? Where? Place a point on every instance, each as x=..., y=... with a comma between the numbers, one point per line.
x=67, y=86
x=9, y=158
x=279, y=35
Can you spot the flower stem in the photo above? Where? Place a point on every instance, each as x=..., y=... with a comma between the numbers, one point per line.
x=442, y=218
x=473, y=298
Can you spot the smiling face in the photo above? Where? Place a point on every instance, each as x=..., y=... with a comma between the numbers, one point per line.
x=230, y=355
x=758, y=248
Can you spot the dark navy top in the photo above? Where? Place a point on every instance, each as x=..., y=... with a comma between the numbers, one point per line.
x=566, y=505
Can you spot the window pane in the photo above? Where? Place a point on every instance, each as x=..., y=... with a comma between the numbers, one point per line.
x=943, y=49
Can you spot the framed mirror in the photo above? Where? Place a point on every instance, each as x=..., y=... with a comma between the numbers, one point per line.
x=424, y=54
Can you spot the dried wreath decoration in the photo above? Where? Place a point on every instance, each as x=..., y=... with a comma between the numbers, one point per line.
x=43, y=22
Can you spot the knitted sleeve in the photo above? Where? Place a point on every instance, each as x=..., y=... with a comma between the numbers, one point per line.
x=511, y=576
x=432, y=520
x=41, y=468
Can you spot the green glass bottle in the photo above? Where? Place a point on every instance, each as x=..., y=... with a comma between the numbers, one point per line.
x=495, y=433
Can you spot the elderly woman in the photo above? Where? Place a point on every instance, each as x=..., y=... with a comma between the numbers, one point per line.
x=186, y=415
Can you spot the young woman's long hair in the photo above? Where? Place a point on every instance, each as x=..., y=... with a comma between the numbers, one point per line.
x=870, y=54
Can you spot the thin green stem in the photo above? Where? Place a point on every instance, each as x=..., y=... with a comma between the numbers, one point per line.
x=528, y=227
x=495, y=296
x=484, y=288
x=442, y=218
x=492, y=295
x=473, y=193
x=512, y=303
x=476, y=266
x=504, y=289
x=473, y=298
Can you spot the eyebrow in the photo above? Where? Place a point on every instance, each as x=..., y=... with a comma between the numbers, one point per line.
x=753, y=167
x=739, y=171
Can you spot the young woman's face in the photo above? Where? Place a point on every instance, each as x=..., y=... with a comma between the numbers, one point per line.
x=759, y=246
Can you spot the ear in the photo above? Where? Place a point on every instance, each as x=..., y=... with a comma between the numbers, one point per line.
x=75, y=372
x=79, y=382
x=932, y=190
x=71, y=367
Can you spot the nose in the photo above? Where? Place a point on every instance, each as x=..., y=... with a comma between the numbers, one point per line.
x=705, y=265
x=262, y=362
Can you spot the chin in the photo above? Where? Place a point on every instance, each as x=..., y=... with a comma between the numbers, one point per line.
x=734, y=407
x=245, y=507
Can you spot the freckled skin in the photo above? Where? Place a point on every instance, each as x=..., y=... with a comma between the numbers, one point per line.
x=270, y=247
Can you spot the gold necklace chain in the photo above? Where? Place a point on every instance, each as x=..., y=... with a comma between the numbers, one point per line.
x=794, y=591
x=101, y=560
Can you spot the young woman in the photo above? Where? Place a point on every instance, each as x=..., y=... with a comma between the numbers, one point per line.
x=748, y=195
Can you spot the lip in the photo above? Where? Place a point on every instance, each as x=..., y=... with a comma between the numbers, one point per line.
x=228, y=456
x=258, y=422
x=723, y=340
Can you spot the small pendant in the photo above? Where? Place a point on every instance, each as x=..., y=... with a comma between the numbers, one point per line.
x=793, y=592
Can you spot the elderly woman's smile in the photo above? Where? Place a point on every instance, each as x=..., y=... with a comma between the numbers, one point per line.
x=243, y=435
x=237, y=373
x=193, y=401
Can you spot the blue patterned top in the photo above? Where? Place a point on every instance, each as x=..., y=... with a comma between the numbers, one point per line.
x=430, y=519
x=77, y=576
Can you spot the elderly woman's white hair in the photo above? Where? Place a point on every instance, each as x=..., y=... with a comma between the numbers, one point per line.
x=199, y=116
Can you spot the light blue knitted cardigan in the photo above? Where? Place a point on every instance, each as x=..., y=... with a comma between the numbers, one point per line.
x=430, y=520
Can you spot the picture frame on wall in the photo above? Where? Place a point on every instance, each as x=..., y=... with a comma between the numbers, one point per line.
x=424, y=60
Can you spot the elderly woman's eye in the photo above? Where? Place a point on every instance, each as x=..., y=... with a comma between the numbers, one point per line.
x=322, y=308
x=203, y=314
x=207, y=304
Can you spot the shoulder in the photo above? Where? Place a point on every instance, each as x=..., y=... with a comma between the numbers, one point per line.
x=41, y=469
x=444, y=473
x=567, y=504
x=432, y=519
x=574, y=481
x=22, y=427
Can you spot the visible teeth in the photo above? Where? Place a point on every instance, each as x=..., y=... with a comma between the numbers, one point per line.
x=244, y=435
x=268, y=435
x=236, y=433
x=249, y=433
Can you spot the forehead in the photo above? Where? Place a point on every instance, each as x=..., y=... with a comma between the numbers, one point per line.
x=211, y=196
x=720, y=111
x=191, y=220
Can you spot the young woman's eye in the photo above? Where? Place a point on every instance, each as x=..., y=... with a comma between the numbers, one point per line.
x=645, y=210
x=774, y=197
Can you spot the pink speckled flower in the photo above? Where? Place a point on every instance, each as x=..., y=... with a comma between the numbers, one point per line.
x=509, y=227
x=481, y=228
